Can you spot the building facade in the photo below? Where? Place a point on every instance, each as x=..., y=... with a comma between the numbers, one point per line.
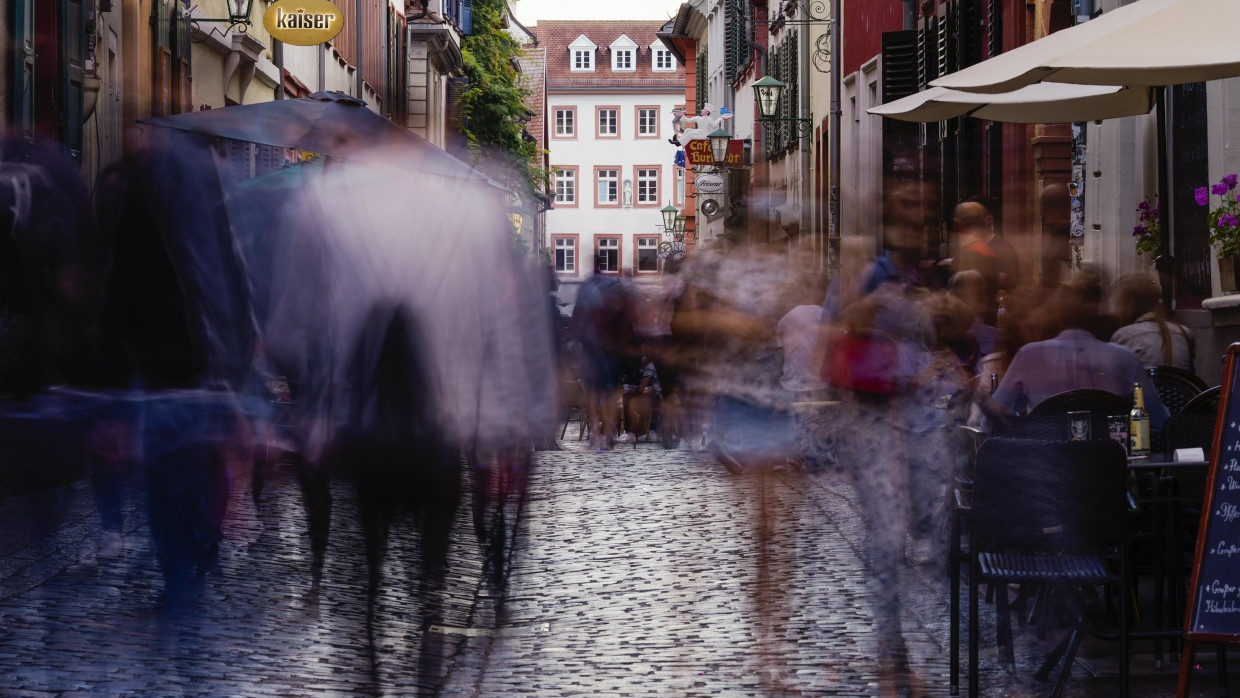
x=611, y=87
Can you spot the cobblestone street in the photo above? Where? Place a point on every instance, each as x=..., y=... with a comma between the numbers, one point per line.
x=634, y=572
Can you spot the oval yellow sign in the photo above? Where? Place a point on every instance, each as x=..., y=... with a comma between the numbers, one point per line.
x=303, y=22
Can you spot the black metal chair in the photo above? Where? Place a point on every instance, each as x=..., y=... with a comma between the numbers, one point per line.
x=1049, y=514
x=1205, y=402
x=1175, y=386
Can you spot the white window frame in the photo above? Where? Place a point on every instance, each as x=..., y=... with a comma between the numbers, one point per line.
x=565, y=186
x=581, y=55
x=644, y=243
x=566, y=250
x=612, y=179
x=622, y=60
x=569, y=121
x=651, y=128
x=614, y=125
x=623, y=55
x=606, y=245
x=657, y=53
x=647, y=178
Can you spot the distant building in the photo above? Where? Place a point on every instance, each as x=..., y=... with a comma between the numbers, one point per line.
x=611, y=87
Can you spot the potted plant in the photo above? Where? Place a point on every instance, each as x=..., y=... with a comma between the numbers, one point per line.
x=1148, y=230
x=1224, y=222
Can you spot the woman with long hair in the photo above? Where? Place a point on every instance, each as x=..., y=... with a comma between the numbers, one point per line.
x=1145, y=327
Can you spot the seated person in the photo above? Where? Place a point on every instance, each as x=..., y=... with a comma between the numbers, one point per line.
x=640, y=400
x=1145, y=327
x=1075, y=359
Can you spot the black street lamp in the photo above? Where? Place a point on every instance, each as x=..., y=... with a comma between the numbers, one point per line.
x=767, y=92
x=719, y=141
x=238, y=13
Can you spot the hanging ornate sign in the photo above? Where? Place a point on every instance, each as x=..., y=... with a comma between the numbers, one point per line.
x=709, y=183
x=303, y=22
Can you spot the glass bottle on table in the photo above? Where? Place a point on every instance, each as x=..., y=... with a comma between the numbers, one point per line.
x=1138, y=425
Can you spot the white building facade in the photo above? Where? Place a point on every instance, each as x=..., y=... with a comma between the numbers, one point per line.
x=611, y=89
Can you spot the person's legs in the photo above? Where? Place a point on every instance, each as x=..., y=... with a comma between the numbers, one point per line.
x=881, y=479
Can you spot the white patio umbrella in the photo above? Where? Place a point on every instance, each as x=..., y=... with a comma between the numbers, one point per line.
x=1150, y=42
x=1041, y=103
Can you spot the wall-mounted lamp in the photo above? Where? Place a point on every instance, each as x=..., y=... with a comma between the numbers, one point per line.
x=767, y=93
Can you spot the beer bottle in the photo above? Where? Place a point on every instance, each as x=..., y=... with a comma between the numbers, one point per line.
x=994, y=383
x=1001, y=315
x=1138, y=425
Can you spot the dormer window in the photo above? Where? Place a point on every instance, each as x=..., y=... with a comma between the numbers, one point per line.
x=661, y=59
x=623, y=54
x=581, y=54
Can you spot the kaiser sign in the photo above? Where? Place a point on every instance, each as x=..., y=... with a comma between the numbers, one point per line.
x=707, y=183
x=303, y=22
x=698, y=153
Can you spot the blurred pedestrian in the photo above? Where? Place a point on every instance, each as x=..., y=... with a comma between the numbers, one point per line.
x=603, y=326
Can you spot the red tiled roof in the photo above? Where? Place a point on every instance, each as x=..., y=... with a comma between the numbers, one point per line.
x=556, y=35
x=533, y=68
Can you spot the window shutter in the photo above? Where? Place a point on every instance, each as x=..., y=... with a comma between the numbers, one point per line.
x=24, y=85
x=467, y=16
x=971, y=27
x=457, y=141
x=900, y=64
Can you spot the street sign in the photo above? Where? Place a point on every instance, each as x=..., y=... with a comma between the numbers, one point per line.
x=698, y=153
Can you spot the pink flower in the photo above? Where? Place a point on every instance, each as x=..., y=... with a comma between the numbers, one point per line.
x=1218, y=189
x=1230, y=181
x=1202, y=195
x=1138, y=231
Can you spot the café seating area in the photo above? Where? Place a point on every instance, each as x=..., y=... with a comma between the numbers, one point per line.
x=1056, y=526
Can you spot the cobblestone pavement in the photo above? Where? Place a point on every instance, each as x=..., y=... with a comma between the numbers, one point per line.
x=634, y=572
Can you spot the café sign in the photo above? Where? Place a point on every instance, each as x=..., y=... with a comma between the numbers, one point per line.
x=707, y=183
x=303, y=22
x=698, y=153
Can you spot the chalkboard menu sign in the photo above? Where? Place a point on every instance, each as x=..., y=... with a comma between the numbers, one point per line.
x=1214, y=597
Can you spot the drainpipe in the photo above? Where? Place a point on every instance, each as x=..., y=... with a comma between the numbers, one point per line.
x=277, y=51
x=806, y=161
x=833, y=140
x=357, y=39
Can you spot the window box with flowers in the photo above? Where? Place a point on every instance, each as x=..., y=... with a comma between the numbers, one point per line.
x=1224, y=222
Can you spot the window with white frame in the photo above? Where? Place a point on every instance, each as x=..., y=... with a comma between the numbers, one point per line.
x=566, y=255
x=623, y=54
x=608, y=186
x=647, y=121
x=662, y=59
x=609, y=254
x=565, y=186
x=565, y=123
x=581, y=54
x=647, y=254
x=680, y=186
x=609, y=122
x=647, y=186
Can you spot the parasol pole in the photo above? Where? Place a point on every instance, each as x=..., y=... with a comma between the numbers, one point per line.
x=1164, y=262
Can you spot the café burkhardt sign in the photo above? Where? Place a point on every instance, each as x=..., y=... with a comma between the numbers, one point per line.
x=303, y=22
x=697, y=152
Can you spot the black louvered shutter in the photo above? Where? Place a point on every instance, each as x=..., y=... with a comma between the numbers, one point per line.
x=900, y=59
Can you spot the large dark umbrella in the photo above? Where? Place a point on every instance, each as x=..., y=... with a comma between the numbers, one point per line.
x=329, y=123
